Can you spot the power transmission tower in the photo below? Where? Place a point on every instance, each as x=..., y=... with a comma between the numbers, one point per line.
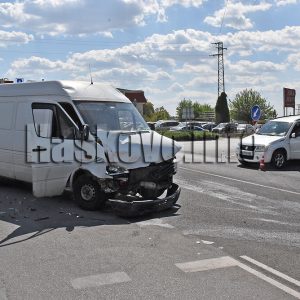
x=220, y=55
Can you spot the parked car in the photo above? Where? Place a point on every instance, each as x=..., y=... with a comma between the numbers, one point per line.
x=184, y=128
x=166, y=124
x=245, y=129
x=74, y=136
x=225, y=128
x=195, y=123
x=276, y=142
x=209, y=126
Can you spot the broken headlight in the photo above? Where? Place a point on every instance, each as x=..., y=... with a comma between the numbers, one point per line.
x=113, y=170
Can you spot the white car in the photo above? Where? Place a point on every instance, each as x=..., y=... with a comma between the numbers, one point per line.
x=245, y=129
x=276, y=142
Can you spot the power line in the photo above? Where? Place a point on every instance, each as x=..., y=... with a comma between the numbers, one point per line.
x=225, y=11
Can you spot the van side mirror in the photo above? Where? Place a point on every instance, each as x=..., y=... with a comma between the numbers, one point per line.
x=293, y=135
x=84, y=132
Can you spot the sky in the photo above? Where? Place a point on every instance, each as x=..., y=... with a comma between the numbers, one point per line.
x=160, y=46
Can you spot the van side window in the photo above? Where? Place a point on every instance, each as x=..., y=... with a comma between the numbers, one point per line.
x=67, y=129
x=51, y=122
x=71, y=112
x=44, y=122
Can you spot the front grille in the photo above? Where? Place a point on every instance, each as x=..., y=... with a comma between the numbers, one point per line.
x=154, y=172
x=246, y=156
x=248, y=147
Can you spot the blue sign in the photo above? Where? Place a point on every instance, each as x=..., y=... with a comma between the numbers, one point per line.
x=255, y=113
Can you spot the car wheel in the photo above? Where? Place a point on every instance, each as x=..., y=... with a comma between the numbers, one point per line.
x=87, y=193
x=279, y=159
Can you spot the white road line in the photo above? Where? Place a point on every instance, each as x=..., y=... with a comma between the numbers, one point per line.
x=154, y=222
x=99, y=280
x=3, y=294
x=271, y=270
x=207, y=264
x=242, y=181
x=227, y=261
x=270, y=280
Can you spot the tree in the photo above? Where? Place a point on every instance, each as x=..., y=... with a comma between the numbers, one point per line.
x=161, y=114
x=245, y=100
x=221, y=109
x=183, y=104
x=148, y=111
x=197, y=108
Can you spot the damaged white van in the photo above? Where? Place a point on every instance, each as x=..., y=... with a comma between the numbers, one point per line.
x=88, y=139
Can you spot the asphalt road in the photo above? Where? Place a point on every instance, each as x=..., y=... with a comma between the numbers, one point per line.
x=236, y=236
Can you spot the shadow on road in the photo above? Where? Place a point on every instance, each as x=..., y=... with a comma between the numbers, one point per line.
x=38, y=216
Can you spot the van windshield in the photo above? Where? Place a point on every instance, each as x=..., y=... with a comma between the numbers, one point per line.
x=275, y=128
x=111, y=116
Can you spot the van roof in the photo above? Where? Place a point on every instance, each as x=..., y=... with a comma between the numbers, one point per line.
x=76, y=90
x=288, y=119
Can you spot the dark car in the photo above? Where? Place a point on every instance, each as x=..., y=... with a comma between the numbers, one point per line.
x=209, y=126
x=188, y=127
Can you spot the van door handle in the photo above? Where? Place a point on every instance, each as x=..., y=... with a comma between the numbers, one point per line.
x=39, y=149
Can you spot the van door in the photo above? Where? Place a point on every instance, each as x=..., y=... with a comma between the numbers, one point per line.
x=7, y=118
x=51, y=147
x=295, y=142
x=22, y=169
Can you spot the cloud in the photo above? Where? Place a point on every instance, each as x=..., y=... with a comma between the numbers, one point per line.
x=233, y=15
x=255, y=67
x=285, y=2
x=177, y=65
x=294, y=61
x=34, y=67
x=8, y=38
x=78, y=17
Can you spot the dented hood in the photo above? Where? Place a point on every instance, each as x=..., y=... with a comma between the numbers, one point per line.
x=137, y=149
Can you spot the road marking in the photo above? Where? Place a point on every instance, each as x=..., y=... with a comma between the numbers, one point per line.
x=242, y=181
x=270, y=280
x=207, y=264
x=99, y=280
x=271, y=270
x=154, y=222
x=227, y=261
x=3, y=294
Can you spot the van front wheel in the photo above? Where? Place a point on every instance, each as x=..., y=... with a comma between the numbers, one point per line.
x=87, y=193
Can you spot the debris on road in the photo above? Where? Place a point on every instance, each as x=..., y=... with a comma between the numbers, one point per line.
x=41, y=219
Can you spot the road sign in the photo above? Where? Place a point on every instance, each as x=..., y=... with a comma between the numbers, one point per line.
x=187, y=113
x=289, y=97
x=255, y=113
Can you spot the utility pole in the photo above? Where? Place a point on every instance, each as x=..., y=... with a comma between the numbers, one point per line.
x=220, y=55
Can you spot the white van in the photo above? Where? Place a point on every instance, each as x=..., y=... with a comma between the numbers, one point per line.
x=275, y=142
x=88, y=139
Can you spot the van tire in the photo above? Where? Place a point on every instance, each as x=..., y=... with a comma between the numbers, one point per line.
x=87, y=193
x=279, y=159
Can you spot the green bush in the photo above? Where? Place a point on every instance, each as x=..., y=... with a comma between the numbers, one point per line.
x=188, y=135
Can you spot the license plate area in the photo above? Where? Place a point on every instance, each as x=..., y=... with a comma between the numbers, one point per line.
x=247, y=153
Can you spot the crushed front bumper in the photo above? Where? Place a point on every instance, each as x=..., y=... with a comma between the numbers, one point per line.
x=126, y=208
